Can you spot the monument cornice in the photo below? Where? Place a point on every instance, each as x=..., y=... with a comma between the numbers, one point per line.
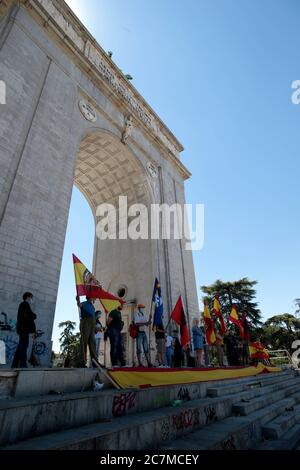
x=58, y=16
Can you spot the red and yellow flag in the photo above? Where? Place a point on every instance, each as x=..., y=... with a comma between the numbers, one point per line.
x=87, y=284
x=258, y=351
x=210, y=330
x=218, y=314
x=234, y=318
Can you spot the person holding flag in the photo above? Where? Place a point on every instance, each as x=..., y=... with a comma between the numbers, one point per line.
x=87, y=328
x=209, y=325
x=157, y=301
x=142, y=322
x=87, y=285
x=234, y=318
x=218, y=314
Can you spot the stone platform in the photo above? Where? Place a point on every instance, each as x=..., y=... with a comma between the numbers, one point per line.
x=22, y=383
x=257, y=412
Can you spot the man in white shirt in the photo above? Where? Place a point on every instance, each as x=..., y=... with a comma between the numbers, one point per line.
x=142, y=322
x=169, y=350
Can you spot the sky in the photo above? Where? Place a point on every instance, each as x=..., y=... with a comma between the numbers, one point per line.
x=219, y=74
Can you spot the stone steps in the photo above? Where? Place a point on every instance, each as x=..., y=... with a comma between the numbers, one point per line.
x=242, y=432
x=23, y=418
x=145, y=430
x=87, y=420
x=279, y=426
x=242, y=386
x=245, y=408
x=288, y=441
x=158, y=424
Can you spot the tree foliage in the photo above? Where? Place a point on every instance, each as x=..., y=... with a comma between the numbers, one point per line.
x=70, y=344
x=280, y=331
x=241, y=292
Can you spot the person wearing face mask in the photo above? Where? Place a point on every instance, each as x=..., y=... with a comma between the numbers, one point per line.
x=87, y=328
x=25, y=327
x=115, y=326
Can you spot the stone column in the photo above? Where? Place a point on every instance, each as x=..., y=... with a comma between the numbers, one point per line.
x=37, y=154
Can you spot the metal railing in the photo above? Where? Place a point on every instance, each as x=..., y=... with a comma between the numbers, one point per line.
x=280, y=356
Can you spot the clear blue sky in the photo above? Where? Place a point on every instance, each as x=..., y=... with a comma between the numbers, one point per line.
x=219, y=74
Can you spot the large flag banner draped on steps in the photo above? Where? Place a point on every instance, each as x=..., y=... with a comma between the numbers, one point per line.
x=178, y=315
x=158, y=304
x=87, y=284
x=218, y=314
x=234, y=318
x=210, y=330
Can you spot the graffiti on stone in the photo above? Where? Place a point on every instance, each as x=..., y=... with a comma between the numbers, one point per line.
x=165, y=430
x=186, y=419
x=123, y=403
x=184, y=394
x=211, y=415
x=229, y=444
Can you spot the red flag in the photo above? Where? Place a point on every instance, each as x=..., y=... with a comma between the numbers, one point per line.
x=234, y=318
x=178, y=315
x=246, y=328
x=210, y=330
x=218, y=314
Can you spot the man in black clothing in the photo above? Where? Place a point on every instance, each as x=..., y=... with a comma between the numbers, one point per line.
x=25, y=327
x=232, y=348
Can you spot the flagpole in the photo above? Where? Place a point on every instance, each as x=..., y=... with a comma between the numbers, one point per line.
x=150, y=321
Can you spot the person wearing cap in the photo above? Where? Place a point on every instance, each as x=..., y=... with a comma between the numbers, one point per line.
x=142, y=322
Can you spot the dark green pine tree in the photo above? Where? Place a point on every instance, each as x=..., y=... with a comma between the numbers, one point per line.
x=242, y=293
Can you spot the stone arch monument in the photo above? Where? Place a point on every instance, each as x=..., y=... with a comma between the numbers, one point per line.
x=71, y=117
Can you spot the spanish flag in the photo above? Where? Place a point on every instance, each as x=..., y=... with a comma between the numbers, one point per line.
x=234, y=318
x=87, y=284
x=218, y=314
x=210, y=330
x=258, y=351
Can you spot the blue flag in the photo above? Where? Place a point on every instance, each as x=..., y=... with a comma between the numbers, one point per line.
x=159, y=307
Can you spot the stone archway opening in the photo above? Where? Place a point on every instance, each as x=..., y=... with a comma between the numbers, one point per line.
x=105, y=170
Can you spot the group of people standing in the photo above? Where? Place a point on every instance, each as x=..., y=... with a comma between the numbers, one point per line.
x=228, y=349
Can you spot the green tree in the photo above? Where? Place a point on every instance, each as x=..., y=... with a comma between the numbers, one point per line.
x=70, y=344
x=242, y=293
x=279, y=331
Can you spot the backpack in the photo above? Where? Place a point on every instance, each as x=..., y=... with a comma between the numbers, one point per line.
x=133, y=330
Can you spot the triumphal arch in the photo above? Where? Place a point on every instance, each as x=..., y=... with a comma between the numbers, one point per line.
x=71, y=117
